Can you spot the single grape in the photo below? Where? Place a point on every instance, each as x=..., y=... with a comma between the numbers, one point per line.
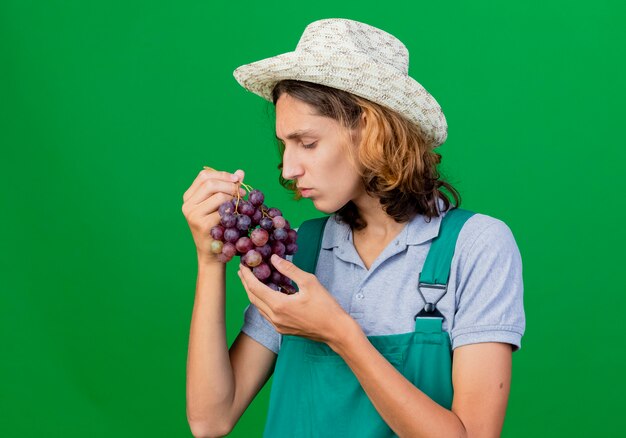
x=243, y=222
x=229, y=220
x=265, y=250
x=256, y=197
x=291, y=248
x=287, y=225
x=283, y=279
x=279, y=234
x=273, y=212
x=229, y=250
x=273, y=286
x=231, y=235
x=221, y=257
x=217, y=232
x=279, y=222
x=276, y=277
x=227, y=207
x=261, y=271
x=278, y=248
x=266, y=223
x=259, y=236
x=243, y=245
x=216, y=246
x=245, y=207
x=252, y=258
x=292, y=236
x=257, y=216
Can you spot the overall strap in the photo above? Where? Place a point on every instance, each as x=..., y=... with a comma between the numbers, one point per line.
x=436, y=271
x=436, y=268
x=309, y=243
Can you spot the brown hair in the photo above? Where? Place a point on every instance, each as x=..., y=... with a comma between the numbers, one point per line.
x=396, y=163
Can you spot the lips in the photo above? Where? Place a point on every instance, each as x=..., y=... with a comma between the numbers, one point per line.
x=305, y=192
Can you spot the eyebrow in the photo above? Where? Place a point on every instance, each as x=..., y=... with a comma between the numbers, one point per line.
x=297, y=134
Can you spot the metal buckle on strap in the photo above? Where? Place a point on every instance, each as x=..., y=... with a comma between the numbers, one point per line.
x=430, y=309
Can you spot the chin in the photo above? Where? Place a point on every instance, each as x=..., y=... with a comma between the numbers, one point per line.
x=324, y=207
x=319, y=207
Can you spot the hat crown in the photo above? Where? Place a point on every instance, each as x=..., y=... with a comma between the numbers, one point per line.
x=339, y=36
x=357, y=58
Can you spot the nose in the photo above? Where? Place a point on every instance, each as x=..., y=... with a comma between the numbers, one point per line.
x=292, y=165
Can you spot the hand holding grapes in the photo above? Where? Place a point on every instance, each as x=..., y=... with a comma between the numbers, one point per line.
x=201, y=202
x=311, y=313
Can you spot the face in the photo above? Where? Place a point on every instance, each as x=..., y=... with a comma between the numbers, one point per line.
x=314, y=155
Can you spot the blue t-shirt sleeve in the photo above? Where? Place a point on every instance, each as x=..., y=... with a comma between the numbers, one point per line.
x=258, y=328
x=490, y=290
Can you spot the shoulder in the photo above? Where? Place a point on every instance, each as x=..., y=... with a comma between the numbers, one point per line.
x=487, y=243
x=485, y=233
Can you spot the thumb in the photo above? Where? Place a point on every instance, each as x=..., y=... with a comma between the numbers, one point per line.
x=240, y=173
x=288, y=269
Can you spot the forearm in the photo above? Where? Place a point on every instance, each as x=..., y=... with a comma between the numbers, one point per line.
x=406, y=409
x=210, y=382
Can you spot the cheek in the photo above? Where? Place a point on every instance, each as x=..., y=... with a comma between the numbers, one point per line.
x=340, y=184
x=338, y=167
x=335, y=174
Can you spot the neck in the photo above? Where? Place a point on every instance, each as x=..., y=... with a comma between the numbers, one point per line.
x=379, y=223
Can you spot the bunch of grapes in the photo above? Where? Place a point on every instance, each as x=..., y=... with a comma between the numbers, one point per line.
x=253, y=231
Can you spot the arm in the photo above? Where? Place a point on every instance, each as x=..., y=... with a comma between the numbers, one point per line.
x=481, y=378
x=221, y=383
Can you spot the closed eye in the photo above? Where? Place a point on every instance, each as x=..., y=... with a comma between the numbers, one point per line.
x=305, y=146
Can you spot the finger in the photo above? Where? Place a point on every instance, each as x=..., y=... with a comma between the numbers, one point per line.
x=240, y=173
x=205, y=208
x=203, y=175
x=254, y=301
x=251, y=297
x=263, y=292
x=208, y=209
x=267, y=318
x=252, y=294
x=210, y=173
x=263, y=309
x=290, y=270
x=250, y=283
x=212, y=186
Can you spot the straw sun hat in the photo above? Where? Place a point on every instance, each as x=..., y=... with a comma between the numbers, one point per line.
x=357, y=58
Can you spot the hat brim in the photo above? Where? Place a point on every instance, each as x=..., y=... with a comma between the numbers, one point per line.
x=363, y=77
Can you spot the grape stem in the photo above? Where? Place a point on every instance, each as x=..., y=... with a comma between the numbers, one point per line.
x=246, y=186
x=248, y=189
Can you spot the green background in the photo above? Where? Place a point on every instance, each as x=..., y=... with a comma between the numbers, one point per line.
x=109, y=109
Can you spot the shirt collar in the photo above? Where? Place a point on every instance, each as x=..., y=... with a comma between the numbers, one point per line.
x=416, y=232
